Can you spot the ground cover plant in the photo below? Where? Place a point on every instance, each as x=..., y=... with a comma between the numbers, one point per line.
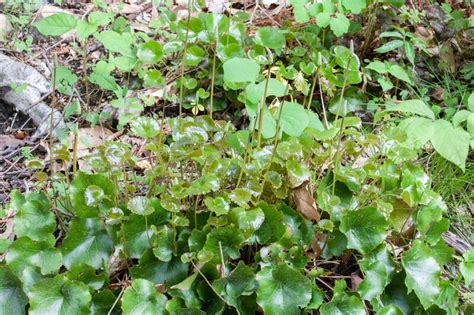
x=309, y=159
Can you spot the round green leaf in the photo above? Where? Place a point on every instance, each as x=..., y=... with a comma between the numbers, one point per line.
x=364, y=228
x=150, y=52
x=79, y=187
x=194, y=55
x=12, y=298
x=24, y=253
x=140, y=205
x=294, y=119
x=59, y=296
x=422, y=273
x=239, y=70
x=35, y=220
x=143, y=298
x=86, y=242
x=283, y=290
x=270, y=37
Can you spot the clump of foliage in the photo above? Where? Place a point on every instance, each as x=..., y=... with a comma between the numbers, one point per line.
x=213, y=224
x=304, y=207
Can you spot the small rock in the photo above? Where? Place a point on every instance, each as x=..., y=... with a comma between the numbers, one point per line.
x=5, y=27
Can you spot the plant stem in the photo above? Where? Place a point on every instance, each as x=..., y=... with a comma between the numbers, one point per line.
x=181, y=83
x=261, y=108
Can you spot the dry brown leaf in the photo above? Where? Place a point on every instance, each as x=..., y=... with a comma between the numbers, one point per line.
x=8, y=142
x=87, y=140
x=304, y=201
x=143, y=165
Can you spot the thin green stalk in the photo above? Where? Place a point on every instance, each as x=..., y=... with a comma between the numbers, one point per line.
x=261, y=108
x=181, y=83
x=213, y=79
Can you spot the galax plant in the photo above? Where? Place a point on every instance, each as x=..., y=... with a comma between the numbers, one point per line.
x=291, y=214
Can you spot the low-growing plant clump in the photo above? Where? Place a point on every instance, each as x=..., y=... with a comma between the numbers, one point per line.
x=275, y=170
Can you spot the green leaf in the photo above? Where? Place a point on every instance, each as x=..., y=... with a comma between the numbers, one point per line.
x=194, y=55
x=298, y=173
x=12, y=298
x=164, y=247
x=299, y=10
x=145, y=127
x=390, y=310
x=364, y=228
x=323, y=19
x=116, y=42
x=417, y=107
x=156, y=271
x=422, y=273
x=87, y=242
x=375, y=280
x=418, y=130
x=218, y=205
x=56, y=24
x=254, y=92
x=102, y=77
x=143, y=298
x=294, y=119
x=81, y=206
x=247, y=220
x=228, y=239
x=136, y=236
x=239, y=70
x=24, y=253
x=339, y=24
x=344, y=305
x=35, y=220
x=282, y=290
x=271, y=230
x=378, y=66
x=391, y=45
x=270, y=37
x=140, y=205
x=241, y=281
x=150, y=52
x=400, y=73
x=59, y=296
x=451, y=143
x=355, y=6
x=467, y=267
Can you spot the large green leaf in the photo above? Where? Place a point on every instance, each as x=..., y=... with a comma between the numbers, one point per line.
x=87, y=242
x=270, y=37
x=56, y=24
x=84, y=190
x=35, y=220
x=294, y=119
x=272, y=228
x=418, y=130
x=12, y=298
x=226, y=240
x=339, y=24
x=345, y=305
x=59, y=296
x=417, y=107
x=116, y=42
x=283, y=290
x=150, y=52
x=156, y=271
x=364, y=228
x=24, y=253
x=240, y=282
x=143, y=298
x=422, y=273
x=451, y=143
x=254, y=92
x=164, y=247
x=239, y=70
x=355, y=6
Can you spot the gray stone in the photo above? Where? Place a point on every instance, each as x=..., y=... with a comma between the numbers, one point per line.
x=28, y=100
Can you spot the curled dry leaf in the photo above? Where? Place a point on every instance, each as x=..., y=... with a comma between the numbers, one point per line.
x=304, y=201
x=87, y=140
